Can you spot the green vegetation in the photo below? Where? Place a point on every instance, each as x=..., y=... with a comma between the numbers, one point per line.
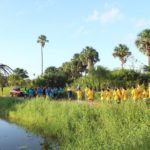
x=143, y=43
x=6, y=91
x=122, y=52
x=76, y=125
x=83, y=126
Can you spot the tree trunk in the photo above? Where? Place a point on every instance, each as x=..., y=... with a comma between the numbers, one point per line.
x=89, y=65
x=41, y=60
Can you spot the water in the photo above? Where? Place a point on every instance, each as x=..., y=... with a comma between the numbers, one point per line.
x=13, y=137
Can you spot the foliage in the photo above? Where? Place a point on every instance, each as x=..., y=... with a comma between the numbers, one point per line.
x=5, y=70
x=14, y=80
x=42, y=39
x=84, y=126
x=89, y=56
x=103, y=78
x=143, y=43
x=21, y=72
x=128, y=78
x=17, y=80
x=3, y=80
x=51, y=78
x=122, y=52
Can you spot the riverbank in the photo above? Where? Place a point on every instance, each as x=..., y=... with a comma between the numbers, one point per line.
x=83, y=126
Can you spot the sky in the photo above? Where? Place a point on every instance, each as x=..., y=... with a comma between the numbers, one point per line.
x=70, y=26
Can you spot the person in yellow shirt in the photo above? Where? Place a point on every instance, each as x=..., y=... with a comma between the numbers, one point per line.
x=149, y=90
x=115, y=95
x=139, y=91
x=134, y=93
x=102, y=95
x=90, y=95
x=79, y=94
x=124, y=94
x=109, y=95
x=145, y=94
x=85, y=92
x=119, y=94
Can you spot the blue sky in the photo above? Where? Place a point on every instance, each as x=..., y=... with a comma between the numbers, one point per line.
x=69, y=26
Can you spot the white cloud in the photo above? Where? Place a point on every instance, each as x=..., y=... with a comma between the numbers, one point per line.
x=95, y=16
x=109, y=16
x=140, y=23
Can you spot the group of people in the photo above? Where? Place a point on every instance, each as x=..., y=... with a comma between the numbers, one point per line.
x=138, y=92
x=44, y=91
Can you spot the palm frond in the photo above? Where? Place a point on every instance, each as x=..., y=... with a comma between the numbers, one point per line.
x=5, y=70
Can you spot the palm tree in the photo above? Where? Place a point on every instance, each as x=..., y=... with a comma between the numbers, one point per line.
x=5, y=70
x=76, y=65
x=122, y=52
x=143, y=43
x=89, y=56
x=42, y=39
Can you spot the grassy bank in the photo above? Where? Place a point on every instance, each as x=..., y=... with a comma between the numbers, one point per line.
x=84, y=126
x=6, y=91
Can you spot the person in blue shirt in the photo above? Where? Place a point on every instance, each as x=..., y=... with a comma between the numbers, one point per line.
x=60, y=92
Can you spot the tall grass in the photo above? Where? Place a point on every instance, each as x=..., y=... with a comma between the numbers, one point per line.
x=6, y=91
x=83, y=126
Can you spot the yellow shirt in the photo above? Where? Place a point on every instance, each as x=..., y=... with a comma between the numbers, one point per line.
x=145, y=93
x=90, y=95
x=86, y=91
x=119, y=94
x=102, y=95
x=124, y=94
x=139, y=91
x=149, y=91
x=134, y=94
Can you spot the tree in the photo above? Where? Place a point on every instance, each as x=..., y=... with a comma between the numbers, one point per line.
x=14, y=80
x=76, y=66
x=50, y=69
x=122, y=52
x=21, y=72
x=67, y=68
x=143, y=43
x=101, y=76
x=89, y=56
x=3, y=80
x=42, y=39
x=5, y=70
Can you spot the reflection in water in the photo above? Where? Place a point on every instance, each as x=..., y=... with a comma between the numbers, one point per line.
x=13, y=137
x=49, y=144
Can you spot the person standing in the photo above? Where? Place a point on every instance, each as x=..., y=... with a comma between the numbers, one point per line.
x=79, y=94
x=69, y=92
x=90, y=95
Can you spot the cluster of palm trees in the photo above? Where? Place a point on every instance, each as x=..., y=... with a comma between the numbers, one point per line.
x=142, y=43
x=85, y=60
x=89, y=56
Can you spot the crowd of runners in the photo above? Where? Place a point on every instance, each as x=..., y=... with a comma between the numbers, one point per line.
x=135, y=93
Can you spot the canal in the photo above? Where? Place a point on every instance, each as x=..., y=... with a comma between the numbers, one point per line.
x=13, y=137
